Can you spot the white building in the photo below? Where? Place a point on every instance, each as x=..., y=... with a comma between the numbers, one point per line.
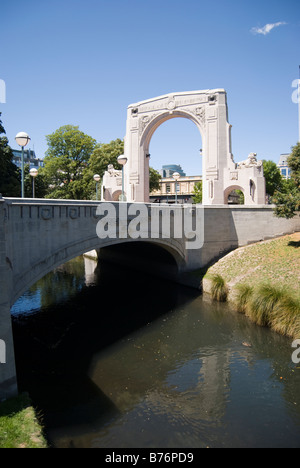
x=283, y=166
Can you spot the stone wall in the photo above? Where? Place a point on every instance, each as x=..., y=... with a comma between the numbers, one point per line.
x=8, y=381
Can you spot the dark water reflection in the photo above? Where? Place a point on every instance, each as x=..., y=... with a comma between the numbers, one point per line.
x=120, y=359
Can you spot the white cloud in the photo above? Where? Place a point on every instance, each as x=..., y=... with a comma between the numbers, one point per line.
x=267, y=28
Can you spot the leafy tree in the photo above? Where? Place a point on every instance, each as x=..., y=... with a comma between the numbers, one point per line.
x=103, y=155
x=294, y=165
x=106, y=154
x=10, y=180
x=68, y=154
x=154, y=180
x=197, y=193
x=40, y=184
x=273, y=177
x=241, y=199
x=287, y=200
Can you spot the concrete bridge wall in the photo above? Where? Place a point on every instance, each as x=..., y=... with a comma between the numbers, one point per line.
x=37, y=236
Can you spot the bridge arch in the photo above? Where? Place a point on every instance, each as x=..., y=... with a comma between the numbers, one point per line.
x=162, y=118
x=43, y=266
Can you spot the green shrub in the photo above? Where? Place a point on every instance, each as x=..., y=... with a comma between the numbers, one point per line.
x=286, y=316
x=270, y=305
x=263, y=302
x=219, y=289
x=243, y=296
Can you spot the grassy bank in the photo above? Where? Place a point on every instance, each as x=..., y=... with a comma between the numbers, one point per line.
x=19, y=427
x=262, y=280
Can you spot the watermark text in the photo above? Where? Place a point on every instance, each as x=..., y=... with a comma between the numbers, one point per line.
x=296, y=92
x=296, y=354
x=2, y=352
x=142, y=221
x=2, y=92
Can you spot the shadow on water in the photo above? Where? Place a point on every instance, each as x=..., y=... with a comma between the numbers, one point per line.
x=124, y=359
x=55, y=344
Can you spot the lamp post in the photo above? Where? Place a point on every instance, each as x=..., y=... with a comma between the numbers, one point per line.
x=97, y=179
x=122, y=160
x=176, y=176
x=33, y=172
x=22, y=140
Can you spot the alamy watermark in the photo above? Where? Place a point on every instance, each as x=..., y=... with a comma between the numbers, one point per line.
x=296, y=92
x=2, y=92
x=142, y=221
x=296, y=354
x=2, y=352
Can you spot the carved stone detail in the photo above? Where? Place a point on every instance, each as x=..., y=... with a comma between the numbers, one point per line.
x=144, y=121
x=171, y=104
x=113, y=172
x=73, y=213
x=250, y=162
x=200, y=113
x=46, y=213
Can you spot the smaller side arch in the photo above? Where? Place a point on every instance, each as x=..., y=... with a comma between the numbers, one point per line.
x=229, y=190
x=116, y=195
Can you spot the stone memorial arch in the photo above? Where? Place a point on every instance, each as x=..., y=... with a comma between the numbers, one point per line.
x=221, y=175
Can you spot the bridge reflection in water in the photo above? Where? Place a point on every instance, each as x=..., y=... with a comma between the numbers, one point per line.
x=129, y=360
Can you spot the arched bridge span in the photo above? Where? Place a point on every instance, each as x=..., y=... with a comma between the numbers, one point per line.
x=36, y=236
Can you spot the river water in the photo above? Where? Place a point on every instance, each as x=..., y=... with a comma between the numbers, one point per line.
x=113, y=358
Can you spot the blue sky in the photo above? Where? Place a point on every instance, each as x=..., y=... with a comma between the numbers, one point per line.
x=83, y=62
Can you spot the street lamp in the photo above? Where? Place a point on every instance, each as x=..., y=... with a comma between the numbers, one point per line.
x=22, y=140
x=176, y=176
x=97, y=179
x=33, y=172
x=122, y=160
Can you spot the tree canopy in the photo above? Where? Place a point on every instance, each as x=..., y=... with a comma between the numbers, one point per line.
x=103, y=155
x=10, y=182
x=72, y=160
x=274, y=180
x=154, y=180
x=40, y=184
x=287, y=200
x=197, y=193
x=68, y=154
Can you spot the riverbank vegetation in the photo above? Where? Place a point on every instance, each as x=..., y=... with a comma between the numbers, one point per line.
x=287, y=197
x=19, y=427
x=262, y=281
x=219, y=289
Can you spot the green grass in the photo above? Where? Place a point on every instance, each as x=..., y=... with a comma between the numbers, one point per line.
x=262, y=303
x=243, y=295
x=276, y=261
x=219, y=290
x=272, y=306
x=262, y=281
x=19, y=427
